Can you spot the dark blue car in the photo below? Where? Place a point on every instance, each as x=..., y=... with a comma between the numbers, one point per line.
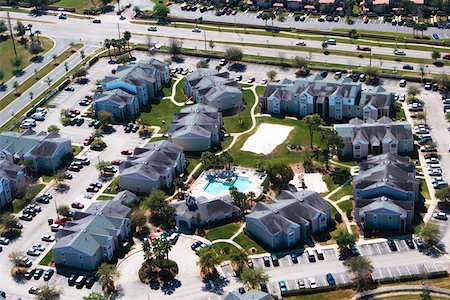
x=330, y=279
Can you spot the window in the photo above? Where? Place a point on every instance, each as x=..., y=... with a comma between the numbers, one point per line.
x=357, y=147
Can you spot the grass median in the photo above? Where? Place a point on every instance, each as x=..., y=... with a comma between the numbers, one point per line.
x=9, y=98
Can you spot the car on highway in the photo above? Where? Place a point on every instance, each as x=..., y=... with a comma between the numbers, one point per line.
x=152, y=28
x=300, y=43
x=363, y=48
x=392, y=245
x=312, y=282
x=77, y=205
x=330, y=279
x=399, y=52
x=408, y=67
x=331, y=41
x=197, y=30
x=440, y=216
x=283, y=286
x=48, y=238
x=97, y=21
x=48, y=274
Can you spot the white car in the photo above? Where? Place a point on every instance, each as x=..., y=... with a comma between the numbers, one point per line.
x=251, y=80
x=422, y=131
x=427, y=148
x=435, y=172
x=437, y=166
x=196, y=29
x=38, y=247
x=33, y=252
x=312, y=283
x=4, y=241
x=399, y=52
x=402, y=97
x=34, y=290
x=432, y=161
x=41, y=110
x=48, y=238
x=300, y=43
x=38, y=116
x=440, y=216
x=264, y=81
x=402, y=83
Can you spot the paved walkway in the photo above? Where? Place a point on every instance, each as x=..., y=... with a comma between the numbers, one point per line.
x=404, y=289
x=339, y=210
x=231, y=239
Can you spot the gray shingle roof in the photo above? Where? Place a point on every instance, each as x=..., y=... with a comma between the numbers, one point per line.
x=198, y=122
x=250, y=295
x=206, y=208
x=117, y=96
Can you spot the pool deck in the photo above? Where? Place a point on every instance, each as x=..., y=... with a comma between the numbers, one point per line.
x=256, y=179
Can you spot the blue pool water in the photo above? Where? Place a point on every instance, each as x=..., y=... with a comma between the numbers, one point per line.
x=216, y=187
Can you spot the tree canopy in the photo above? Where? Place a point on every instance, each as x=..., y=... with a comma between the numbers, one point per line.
x=233, y=54
x=429, y=232
x=313, y=123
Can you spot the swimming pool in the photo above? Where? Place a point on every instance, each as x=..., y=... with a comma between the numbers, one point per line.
x=215, y=187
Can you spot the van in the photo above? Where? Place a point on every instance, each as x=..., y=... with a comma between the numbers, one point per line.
x=30, y=122
x=38, y=117
x=82, y=159
x=310, y=254
x=331, y=42
x=319, y=253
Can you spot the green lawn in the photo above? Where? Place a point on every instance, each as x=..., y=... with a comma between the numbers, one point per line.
x=46, y=178
x=222, y=232
x=179, y=91
x=79, y=5
x=104, y=198
x=298, y=136
x=260, y=89
x=246, y=242
x=346, y=190
x=346, y=205
x=167, y=91
x=400, y=113
x=47, y=259
x=329, y=182
x=112, y=188
x=76, y=150
x=224, y=247
x=425, y=193
x=243, y=121
x=7, y=51
x=33, y=190
x=160, y=114
x=340, y=294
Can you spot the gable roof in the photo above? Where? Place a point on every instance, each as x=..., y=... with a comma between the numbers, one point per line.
x=250, y=295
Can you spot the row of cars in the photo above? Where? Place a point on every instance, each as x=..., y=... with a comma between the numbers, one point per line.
x=38, y=115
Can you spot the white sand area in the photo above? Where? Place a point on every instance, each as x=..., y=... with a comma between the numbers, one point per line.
x=266, y=138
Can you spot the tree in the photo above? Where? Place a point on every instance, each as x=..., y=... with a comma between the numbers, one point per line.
x=202, y=64
x=48, y=292
x=63, y=210
x=59, y=176
x=93, y=296
x=160, y=11
x=161, y=248
x=15, y=258
x=372, y=74
x=107, y=274
x=35, y=48
x=105, y=117
x=360, y=267
x=3, y=27
x=16, y=62
x=175, y=47
x=208, y=259
x=443, y=80
x=233, y=54
x=429, y=232
x=162, y=214
x=16, y=87
x=254, y=277
x=53, y=128
x=299, y=62
x=2, y=75
x=443, y=194
x=272, y=74
x=413, y=91
x=20, y=28
x=127, y=37
x=103, y=164
x=27, y=163
x=97, y=135
x=239, y=199
x=279, y=173
x=80, y=73
x=123, y=59
x=179, y=184
x=333, y=142
x=48, y=80
x=313, y=122
x=138, y=219
x=345, y=242
x=9, y=223
x=435, y=54
x=353, y=34
x=238, y=259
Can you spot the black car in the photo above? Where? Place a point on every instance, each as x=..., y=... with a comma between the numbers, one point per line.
x=410, y=243
x=48, y=274
x=324, y=74
x=69, y=89
x=29, y=274
x=68, y=176
x=294, y=258
x=241, y=290
x=275, y=261
x=26, y=217
x=264, y=288
x=431, y=155
x=89, y=282
x=128, y=128
x=38, y=273
x=408, y=67
x=72, y=279
x=266, y=260
x=297, y=18
x=355, y=251
x=30, y=212
x=135, y=128
x=392, y=245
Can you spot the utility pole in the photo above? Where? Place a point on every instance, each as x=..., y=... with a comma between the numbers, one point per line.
x=11, y=33
x=204, y=35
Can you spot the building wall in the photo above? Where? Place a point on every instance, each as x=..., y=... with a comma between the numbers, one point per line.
x=5, y=192
x=192, y=143
x=253, y=227
x=70, y=258
x=141, y=186
x=44, y=163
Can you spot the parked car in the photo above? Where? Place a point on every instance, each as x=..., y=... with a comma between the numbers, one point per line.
x=266, y=260
x=410, y=243
x=48, y=274
x=33, y=252
x=29, y=274
x=419, y=243
x=26, y=217
x=275, y=261
x=38, y=273
x=69, y=89
x=435, y=172
x=427, y=148
x=264, y=288
x=251, y=80
x=48, y=238
x=196, y=245
x=72, y=279
x=283, y=286
x=432, y=161
x=34, y=290
x=330, y=279
x=126, y=152
x=301, y=284
x=38, y=247
x=77, y=205
x=312, y=282
x=97, y=21
x=4, y=241
x=89, y=282
x=402, y=83
x=439, y=182
x=392, y=245
x=294, y=258
x=440, y=216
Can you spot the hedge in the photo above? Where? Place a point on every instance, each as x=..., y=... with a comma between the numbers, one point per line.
x=329, y=288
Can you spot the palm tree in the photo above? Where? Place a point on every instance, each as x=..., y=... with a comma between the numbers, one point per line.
x=37, y=33
x=48, y=292
x=59, y=176
x=15, y=258
x=161, y=248
x=208, y=260
x=254, y=277
x=413, y=91
x=107, y=274
x=97, y=134
x=238, y=259
x=127, y=37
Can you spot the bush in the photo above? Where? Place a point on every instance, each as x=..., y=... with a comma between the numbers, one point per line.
x=340, y=176
x=168, y=269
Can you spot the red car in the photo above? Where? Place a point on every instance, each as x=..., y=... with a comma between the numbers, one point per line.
x=87, y=141
x=92, y=189
x=74, y=168
x=89, y=97
x=366, y=20
x=77, y=205
x=126, y=152
x=363, y=48
x=75, y=111
x=116, y=162
x=96, y=184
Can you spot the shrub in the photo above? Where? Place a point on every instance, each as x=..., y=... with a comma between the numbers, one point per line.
x=340, y=176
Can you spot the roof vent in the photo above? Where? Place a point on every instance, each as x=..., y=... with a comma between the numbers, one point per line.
x=275, y=211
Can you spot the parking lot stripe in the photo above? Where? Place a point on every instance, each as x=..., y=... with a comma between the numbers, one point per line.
x=390, y=271
x=379, y=249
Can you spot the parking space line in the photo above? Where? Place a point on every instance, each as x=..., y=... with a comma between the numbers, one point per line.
x=390, y=271
x=379, y=249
